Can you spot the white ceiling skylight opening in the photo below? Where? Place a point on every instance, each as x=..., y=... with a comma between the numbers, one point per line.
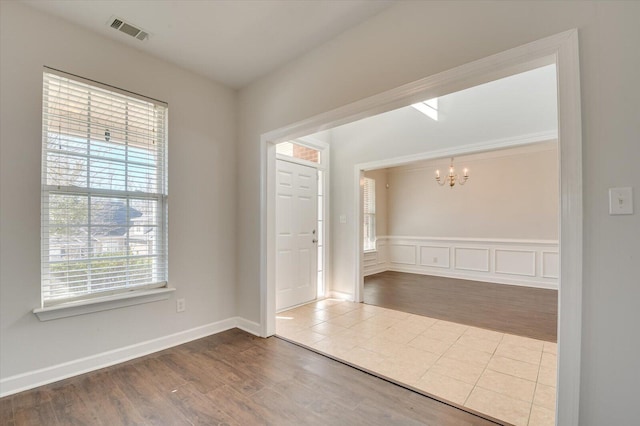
x=428, y=108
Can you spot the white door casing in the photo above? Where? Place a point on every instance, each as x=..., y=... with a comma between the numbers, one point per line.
x=296, y=234
x=563, y=48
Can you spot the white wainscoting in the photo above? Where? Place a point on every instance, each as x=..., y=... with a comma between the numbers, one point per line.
x=376, y=261
x=532, y=263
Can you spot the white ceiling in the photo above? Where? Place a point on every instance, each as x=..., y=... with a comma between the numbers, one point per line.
x=521, y=105
x=230, y=41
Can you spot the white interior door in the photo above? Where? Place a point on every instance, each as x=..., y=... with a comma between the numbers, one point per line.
x=296, y=234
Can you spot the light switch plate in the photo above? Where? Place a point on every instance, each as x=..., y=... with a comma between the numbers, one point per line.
x=620, y=201
x=343, y=218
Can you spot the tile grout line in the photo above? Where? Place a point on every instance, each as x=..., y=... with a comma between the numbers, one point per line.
x=483, y=370
x=395, y=321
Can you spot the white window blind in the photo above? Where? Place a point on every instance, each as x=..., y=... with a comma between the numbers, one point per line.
x=369, y=214
x=104, y=190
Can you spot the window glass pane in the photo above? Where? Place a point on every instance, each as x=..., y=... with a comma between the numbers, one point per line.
x=294, y=150
x=104, y=190
x=369, y=209
x=66, y=170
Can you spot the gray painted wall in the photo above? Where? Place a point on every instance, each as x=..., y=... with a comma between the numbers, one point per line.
x=201, y=187
x=409, y=41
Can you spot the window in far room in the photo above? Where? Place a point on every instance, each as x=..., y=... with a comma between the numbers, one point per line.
x=369, y=214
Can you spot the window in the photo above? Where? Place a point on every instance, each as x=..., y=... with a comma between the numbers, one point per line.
x=369, y=214
x=104, y=190
x=291, y=149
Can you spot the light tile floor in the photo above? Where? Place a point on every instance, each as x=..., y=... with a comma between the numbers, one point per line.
x=508, y=377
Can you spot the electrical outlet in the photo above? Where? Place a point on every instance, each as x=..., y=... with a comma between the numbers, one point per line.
x=435, y=260
x=181, y=305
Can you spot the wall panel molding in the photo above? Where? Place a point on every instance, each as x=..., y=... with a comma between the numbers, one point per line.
x=435, y=256
x=550, y=264
x=515, y=262
x=403, y=254
x=532, y=263
x=471, y=259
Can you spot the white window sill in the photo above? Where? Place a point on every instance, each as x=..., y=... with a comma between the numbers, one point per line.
x=371, y=251
x=98, y=304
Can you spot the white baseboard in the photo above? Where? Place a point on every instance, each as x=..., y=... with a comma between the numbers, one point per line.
x=249, y=326
x=473, y=277
x=340, y=295
x=376, y=270
x=54, y=373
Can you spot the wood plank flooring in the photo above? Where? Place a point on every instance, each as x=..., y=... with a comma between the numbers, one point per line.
x=525, y=311
x=232, y=378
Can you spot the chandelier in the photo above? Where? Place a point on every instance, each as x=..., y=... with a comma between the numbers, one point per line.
x=452, y=178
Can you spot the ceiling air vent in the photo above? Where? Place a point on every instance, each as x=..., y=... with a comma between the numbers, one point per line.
x=127, y=28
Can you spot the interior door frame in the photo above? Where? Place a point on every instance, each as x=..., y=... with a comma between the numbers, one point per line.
x=563, y=49
x=324, y=167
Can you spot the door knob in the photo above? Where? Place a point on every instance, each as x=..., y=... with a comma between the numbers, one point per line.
x=314, y=241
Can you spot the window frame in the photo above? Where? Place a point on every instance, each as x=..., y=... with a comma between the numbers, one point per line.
x=369, y=211
x=156, y=194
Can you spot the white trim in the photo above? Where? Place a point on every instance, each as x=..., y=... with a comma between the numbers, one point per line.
x=560, y=48
x=267, y=223
x=468, y=268
x=445, y=263
x=295, y=160
x=544, y=272
x=526, y=274
x=97, y=304
x=474, y=148
x=340, y=295
x=54, y=373
x=411, y=261
x=519, y=150
x=358, y=291
x=248, y=326
x=571, y=232
x=375, y=270
x=470, y=276
x=511, y=241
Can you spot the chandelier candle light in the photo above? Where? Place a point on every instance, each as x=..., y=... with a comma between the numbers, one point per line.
x=453, y=177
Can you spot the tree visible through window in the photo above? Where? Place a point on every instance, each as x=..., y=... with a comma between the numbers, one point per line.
x=104, y=190
x=369, y=214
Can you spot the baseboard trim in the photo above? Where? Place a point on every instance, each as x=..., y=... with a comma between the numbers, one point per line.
x=340, y=295
x=473, y=277
x=376, y=270
x=43, y=376
x=249, y=326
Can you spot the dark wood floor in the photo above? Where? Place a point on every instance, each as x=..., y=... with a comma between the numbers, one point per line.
x=525, y=311
x=230, y=378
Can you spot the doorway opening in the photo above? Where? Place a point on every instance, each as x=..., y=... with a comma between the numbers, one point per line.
x=561, y=50
x=301, y=217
